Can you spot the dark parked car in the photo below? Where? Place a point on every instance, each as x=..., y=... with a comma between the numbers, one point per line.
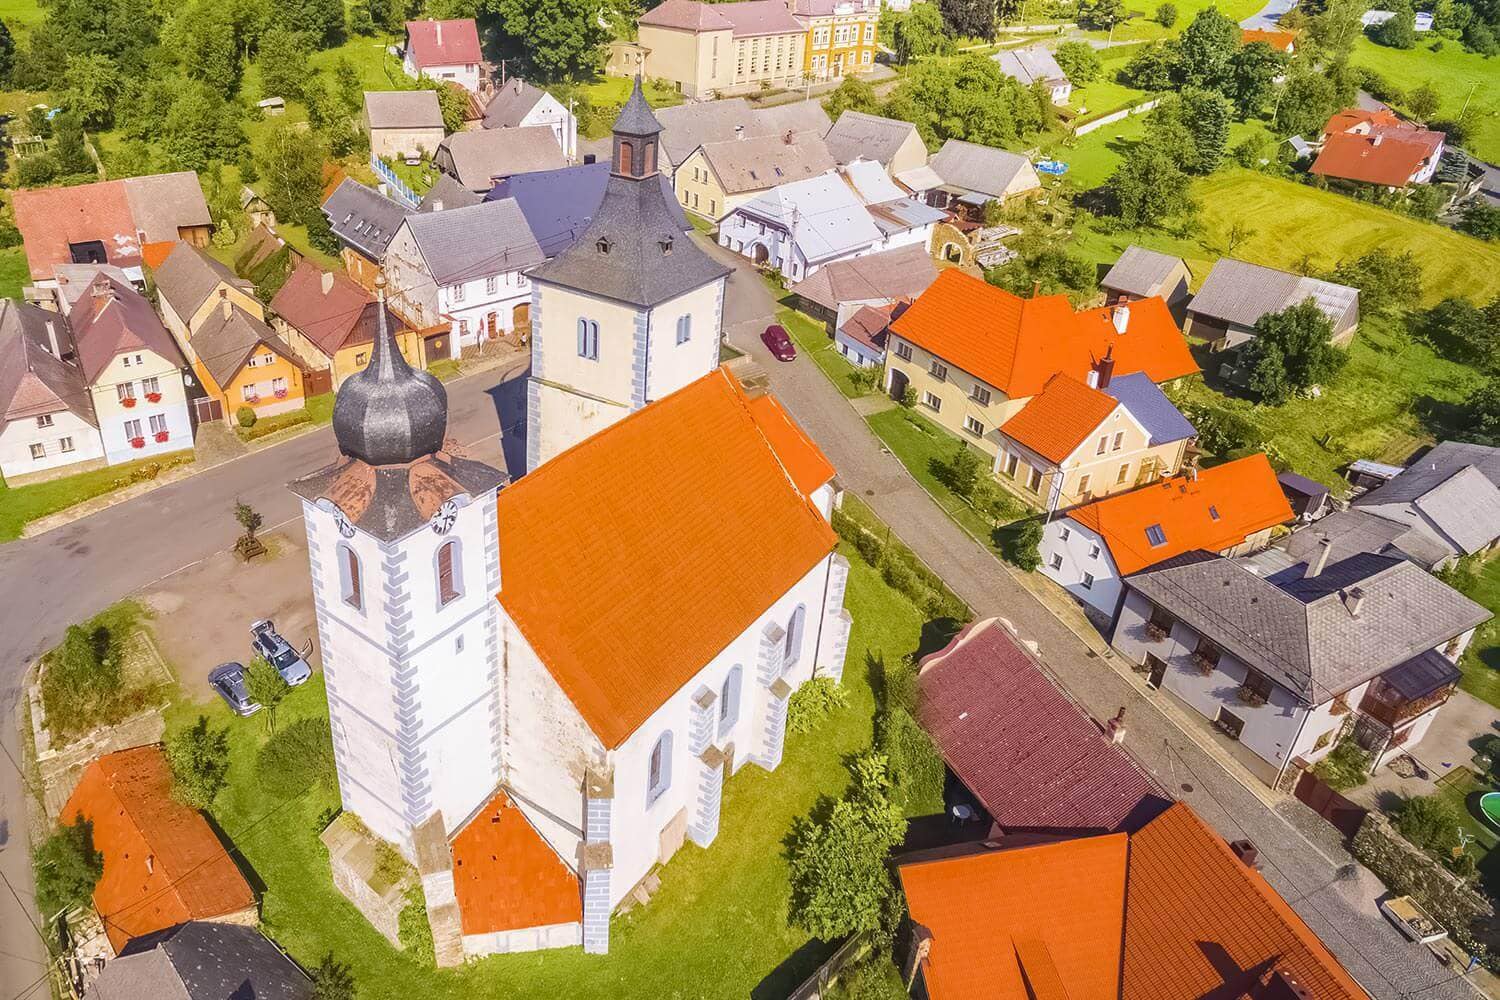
x=229, y=680
x=779, y=343
x=290, y=664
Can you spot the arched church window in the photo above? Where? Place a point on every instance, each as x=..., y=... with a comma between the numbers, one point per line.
x=650, y=158
x=449, y=572
x=588, y=339
x=349, y=583
x=793, y=651
x=729, y=700
x=684, y=328
x=659, y=776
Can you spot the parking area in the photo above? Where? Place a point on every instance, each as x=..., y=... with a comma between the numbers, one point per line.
x=203, y=612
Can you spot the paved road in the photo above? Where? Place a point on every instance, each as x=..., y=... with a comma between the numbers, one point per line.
x=1301, y=855
x=1268, y=16
x=66, y=575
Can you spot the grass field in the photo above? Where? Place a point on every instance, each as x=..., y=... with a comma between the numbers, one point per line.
x=20, y=505
x=1454, y=73
x=811, y=338
x=20, y=13
x=717, y=927
x=1142, y=27
x=14, y=272
x=1093, y=157
x=1481, y=661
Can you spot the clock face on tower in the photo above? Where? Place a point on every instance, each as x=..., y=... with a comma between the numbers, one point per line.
x=445, y=516
x=342, y=523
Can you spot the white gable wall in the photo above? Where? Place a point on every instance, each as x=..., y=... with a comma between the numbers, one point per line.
x=17, y=437
x=1081, y=550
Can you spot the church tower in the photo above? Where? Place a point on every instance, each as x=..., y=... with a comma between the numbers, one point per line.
x=630, y=312
x=403, y=545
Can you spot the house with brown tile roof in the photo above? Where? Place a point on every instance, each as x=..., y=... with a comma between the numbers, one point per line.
x=721, y=176
x=241, y=362
x=47, y=417
x=190, y=285
x=329, y=322
x=1378, y=147
x=444, y=50
x=163, y=865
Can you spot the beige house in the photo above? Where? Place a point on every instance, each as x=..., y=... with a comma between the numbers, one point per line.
x=1142, y=274
x=895, y=145
x=403, y=123
x=709, y=50
x=721, y=176
x=190, y=285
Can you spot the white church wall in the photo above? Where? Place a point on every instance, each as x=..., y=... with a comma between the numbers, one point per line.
x=563, y=418
x=671, y=365
x=558, y=361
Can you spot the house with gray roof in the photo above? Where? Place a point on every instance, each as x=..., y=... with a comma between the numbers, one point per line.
x=1236, y=294
x=969, y=175
x=478, y=159
x=721, y=176
x=895, y=145
x=1144, y=274
x=560, y=204
x=403, y=123
x=688, y=126
x=447, y=193
x=1285, y=657
x=200, y=960
x=1035, y=64
x=1448, y=500
x=798, y=228
x=47, y=420
x=517, y=104
x=836, y=291
x=363, y=221
x=464, y=269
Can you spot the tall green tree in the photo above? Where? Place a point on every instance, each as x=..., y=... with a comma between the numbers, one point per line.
x=205, y=40
x=71, y=145
x=1100, y=15
x=969, y=18
x=1080, y=61
x=1207, y=51
x=263, y=683
x=1208, y=114
x=124, y=30
x=922, y=32
x=333, y=980
x=1307, y=99
x=67, y=867
x=322, y=21
x=199, y=759
x=290, y=164
x=90, y=88
x=200, y=127
x=1333, y=31
x=1387, y=281
x=852, y=94
x=1399, y=32
x=1291, y=352
x=283, y=62
x=1152, y=68
x=1149, y=188
x=965, y=98
x=7, y=54
x=552, y=40
x=1253, y=71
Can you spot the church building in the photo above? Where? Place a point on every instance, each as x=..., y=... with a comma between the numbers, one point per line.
x=538, y=688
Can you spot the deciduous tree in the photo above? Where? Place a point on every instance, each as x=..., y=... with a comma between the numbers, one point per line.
x=1385, y=280
x=553, y=40
x=90, y=87
x=199, y=759
x=1149, y=187
x=1399, y=32
x=205, y=40
x=7, y=53
x=1252, y=77
x=1152, y=67
x=1080, y=61
x=1207, y=50
x=290, y=163
x=920, y=33
x=1291, y=352
x=283, y=62
x=67, y=868
x=969, y=18
x=1166, y=14
x=332, y=980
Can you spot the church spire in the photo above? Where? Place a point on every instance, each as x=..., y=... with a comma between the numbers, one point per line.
x=637, y=135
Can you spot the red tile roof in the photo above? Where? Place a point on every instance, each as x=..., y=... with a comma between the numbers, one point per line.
x=1007, y=922
x=1061, y=417
x=52, y=218
x=1219, y=510
x=803, y=460
x=868, y=325
x=111, y=317
x=1017, y=344
x=443, y=43
x=1376, y=147
x=1281, y=41
x=343, y=316
x=162, y=863
x=687, y=493
x=1193, y=908
x=506, y=876
x=1033, y=759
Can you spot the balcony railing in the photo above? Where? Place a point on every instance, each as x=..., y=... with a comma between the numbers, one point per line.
x=1395, y=711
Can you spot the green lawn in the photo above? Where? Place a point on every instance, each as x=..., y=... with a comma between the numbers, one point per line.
x=1481, y=661
x=1454, y=73
x=616, y=90
x=1462, y=787
x=1093, y=157
x=20, y=505
x=20, y=13
x=1141, y=26
x=14, y=272
x=717, y=927
x=812, y=339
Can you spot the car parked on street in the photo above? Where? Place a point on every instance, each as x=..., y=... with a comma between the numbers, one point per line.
x=290, y=664
x=228, y=679
x=775, y=338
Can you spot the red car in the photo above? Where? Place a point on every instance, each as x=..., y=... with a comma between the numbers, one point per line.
x=776, y=339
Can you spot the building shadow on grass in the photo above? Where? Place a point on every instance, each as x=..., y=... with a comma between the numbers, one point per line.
x=793, y=972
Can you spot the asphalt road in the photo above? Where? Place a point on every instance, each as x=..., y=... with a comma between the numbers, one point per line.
x=64, y=576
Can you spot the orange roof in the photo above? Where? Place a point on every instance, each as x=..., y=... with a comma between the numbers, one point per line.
x=803, y=460
x=1281, y=41
x=1017, y=344
x=1388, y=158
x=506, y=877
x=1193, y=908
x=162, y=863
x=1058, y=419
x=1218, y=510
x=687, y=493
x=1048, y=916
x=152, y=254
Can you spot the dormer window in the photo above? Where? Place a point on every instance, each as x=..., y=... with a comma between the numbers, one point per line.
x=666, y=246
x=1155, y=535
x=604, y=245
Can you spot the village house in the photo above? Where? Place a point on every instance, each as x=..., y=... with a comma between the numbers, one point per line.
x=1236, y=294
x=559, y=204
x=721, y=176
x=1077, y=440
x=443, y=50
x=708, y=49
x=688, y=126
x=1285, y=658
x=1145, y=274
x=163, y=864
x=109, y=222
x=47, y=422
x=973, y=354
x=478, y=159
x=134, y=371
x=193, y=960
x=1230, y=509
x=1377, y=147
x=363, y=221
x=464, y=269
x=242, y=364
x=836, y=291
x=403, y=123
x=191, y=285
x=895, y=145
x=963, y=177
x=841, y=36
x=861, y=338
x=517, y=104
x=1035, y=64
x=1447, y=501
x=329, y=322
x=448, y=193
x=1283, y=41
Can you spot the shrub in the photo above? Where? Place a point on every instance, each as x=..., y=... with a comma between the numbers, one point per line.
x=1430, y=822
x=67, y=868
x=83, y=682
x=1345, y=767
x=899, y=576
x=1166, y=14
x=245, y=416
x=813, y=702
x=199, y=759
x=37, y=170
x=873, y=977
x=1022, y=546
x=296, y=758
x=413, y=929
x=917, y=770
x=908, y=397
x=959, y=473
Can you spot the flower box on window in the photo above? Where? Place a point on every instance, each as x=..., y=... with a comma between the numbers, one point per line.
x=139, y=442
x=1204, y=663
x=128, y=402
x=153, y=397
x=1155, y=631
x=281, y=394
x=1250, y=696
x=160, y=436
x=252, y=400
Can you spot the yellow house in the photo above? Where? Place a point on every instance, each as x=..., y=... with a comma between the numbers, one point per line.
x=241, y=362
x=719, y=177
x=709, y=49
x=841, y=36
x=190, y=285
x=329, y=321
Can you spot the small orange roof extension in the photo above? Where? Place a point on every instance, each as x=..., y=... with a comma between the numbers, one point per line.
x=506, y=877
x=1059, y=418
x=1281, y=41
x=162, y=863
x=153, y=255
x=1187, y=889
x=688, y=493
x=805, y=462
x=1218, y=510
x=1017, y=344
x=1038, y=917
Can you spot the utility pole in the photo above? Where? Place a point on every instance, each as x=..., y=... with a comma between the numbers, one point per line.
x=1468, y=99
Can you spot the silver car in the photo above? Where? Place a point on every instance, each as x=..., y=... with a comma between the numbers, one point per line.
x=229, y=680
x=290, y=664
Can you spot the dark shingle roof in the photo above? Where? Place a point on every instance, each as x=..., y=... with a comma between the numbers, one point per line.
x=200, y=960
x=477, y=159
x=1151, y=407
x=447, y=193
x=111, y=317
x=188, y=277
x=512, y=103
x=1451, y=494
x=32, y=381
x=460, y=244
x=636, y=117
x=560, y=204
x=363, y=218
x=857, y=134
x=1140, y=271
x=228, y=337
x=403, y=109
x=688, y=126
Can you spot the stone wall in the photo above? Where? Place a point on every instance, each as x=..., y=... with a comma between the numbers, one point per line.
x=354, y=856
x=1408, y=871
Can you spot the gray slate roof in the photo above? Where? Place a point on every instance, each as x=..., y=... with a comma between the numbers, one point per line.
x=1141, y=272
x=762, y=162
x=461, y=244
x=200, y=960
x=1300, y=630
x=161, y=204
x=857, y=134
x=1030, y=64
x=363, y=218
x=903, y=273
x=981, y=169
x=1451, y=494
x=449, y=193
x=1361, y=530
x=560, y=204
x=403, y=109
x=1239, y=292
x=224, y=342
x=688, y=126
x=477, y=159
x=512, y=103
x=1149, y=405
x=189, y=276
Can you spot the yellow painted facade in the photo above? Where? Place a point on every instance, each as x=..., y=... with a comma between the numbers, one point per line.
x=971, y=409
x=840, y=44
x=263, y=374
x=1115, y=458
x=346, y=361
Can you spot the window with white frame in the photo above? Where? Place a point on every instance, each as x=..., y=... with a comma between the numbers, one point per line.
x=973, y=426
x=1055, y=562
x=38, y=451
x=151, y=386
x=491, y=285
x=729, y=700
x=865, y=57
x=158, y=423
x=45, y=420
x=456, y=292
x=659, y=773
x=125, y=390
x=980, y=395
x=1034, y=481
x=931, y=401
x=684, y=328
x=65, y=445
x=1088, y=581
x=1011, y=461
x=588, y=339
x=1065, y=534
x=1083, y=484
x=1094, y=551
x=938, y=370
x=249, y=393
x=1124, y=473
x=903, y=351
x=278, y=384
x=1118, y=442
x=869, y=35
x=133, y=429
x=1103, y=445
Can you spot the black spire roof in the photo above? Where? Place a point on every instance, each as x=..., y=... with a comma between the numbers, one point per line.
x=634, y=251
x=389, y=414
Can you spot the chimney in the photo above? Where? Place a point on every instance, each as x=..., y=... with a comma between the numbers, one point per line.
x=150, y=863
x=518, y=85
x=1282, y=986
x=437, y=204
x=590, y=158
x=1115, y=728
x=1121, y=318
x=1036, y=288
x=1377, y=140
x=1325, y=546
x=326, y=279
x=1246, y=851
x=228, y=308
x=52, y=339
x=1093, y=378
x=439, y=32
x=1192, y=471
x=739, y=131
x=1106, y=368
x=1354, y=599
